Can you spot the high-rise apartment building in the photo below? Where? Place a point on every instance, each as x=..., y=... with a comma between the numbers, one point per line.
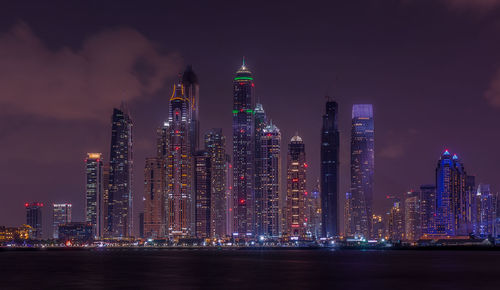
x=94, y=192
x=61, y=214
x=296, y=194
x=485, y=211
x=412, y=216
x=154, y=199
x=203, y=195
x=34, y=218
x=427, y=209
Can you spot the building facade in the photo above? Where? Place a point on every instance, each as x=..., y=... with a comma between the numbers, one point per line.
x=243, y=154
x=154, y=199
x=427, y=208
x=412, y=216
x=362, y=170
x=34, y=219
x=94, y=192
x=203, y=195
x=485, y=211
x=119, y=218
x=61, y=214
x=296, y=194
x=329, y=172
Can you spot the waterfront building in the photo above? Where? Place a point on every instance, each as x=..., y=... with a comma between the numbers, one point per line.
x=118, y=221
x=215, y=146
x=450, y=192
x=76, y=232
x=427, y=209
x=412, y=216
x=260, y=123
x=61, y=214
x=229, y=197
x=243, y=154
x=203, y=195
x=270, y=142
x=362, y=169
x=396, y=228
x=378, y=227
x=11, y=234
x=93, y=192
x=313, y=212
x=154, y=199
x=34, y=218
x=329, y=171
x=485, y=211
x=296, y=194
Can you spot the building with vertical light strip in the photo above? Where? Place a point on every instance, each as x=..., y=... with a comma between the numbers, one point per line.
x=243, y=154
x=61, y=214
x=215, y=145
x=94, y=192
x=119, y=219
x=362, y=170
x=203, y=195
x=329, y=171
x=296, y=220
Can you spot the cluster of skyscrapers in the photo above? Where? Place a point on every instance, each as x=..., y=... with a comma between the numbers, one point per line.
x=193, y=189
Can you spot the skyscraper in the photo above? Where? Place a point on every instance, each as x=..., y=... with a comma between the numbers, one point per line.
x=260, y=122
x=313, y=212
x=362, y=169
x=154, y=199
x=175, y=144
x=296, y=194
x=427, y=209
x=243, y=132
x=396, y=226
x=270, y=221
x=191, y=91
x=450, y=189
x=34, y=218
x=215, y=145
x=485, y=211
x=119, y=208
x=203, y=195
x=329, y=173
x=94, y=192
x=61, y=214
x=412, y=216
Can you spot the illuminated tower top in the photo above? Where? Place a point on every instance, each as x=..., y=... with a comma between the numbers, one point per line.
x=243, y=74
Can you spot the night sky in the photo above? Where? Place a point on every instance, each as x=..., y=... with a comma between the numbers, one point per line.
x=430, y=68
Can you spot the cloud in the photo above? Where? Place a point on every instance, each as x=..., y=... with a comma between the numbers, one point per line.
x=493, y=92
x=397, y=143
x=84, y=84
x=478, y=4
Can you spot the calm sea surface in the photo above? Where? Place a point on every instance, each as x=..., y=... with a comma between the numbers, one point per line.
x=249, y=269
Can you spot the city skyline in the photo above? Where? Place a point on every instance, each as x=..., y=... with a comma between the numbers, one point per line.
x=271, y=89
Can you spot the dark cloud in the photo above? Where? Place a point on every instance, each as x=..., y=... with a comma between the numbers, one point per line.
x=111, y=66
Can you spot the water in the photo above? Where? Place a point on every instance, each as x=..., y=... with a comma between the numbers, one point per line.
x=249, y=269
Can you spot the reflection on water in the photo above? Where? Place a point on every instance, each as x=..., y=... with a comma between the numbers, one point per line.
x=244, y=269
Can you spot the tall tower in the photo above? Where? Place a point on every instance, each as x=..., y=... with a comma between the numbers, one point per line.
x=176, y=148
x=329, y=175
x=203, y=195
x=154, y=198
x=61, y=214
x=485, y=211
x=94, y=192
x=270, y=218
x=296, y=194
x=260, y=122
x=362, y=169
x=34, y=218
x=215, y=145
x=243, y=132
x=120, y=212
x=412, y=216
x=427, y=208
x=191, y=91
x=450, y=189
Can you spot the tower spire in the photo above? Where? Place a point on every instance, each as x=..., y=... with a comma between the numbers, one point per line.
x=243, y=64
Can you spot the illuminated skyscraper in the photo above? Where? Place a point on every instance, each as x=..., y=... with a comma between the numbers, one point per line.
x=260, y=122
x=229, y=196
x=313, y=212
x=94, y=192
x=412, y=216
x=215, y=145
x=34, y=218
x=191, y=91
x=203, y=194
x=427, y=208
x=450, y=192
x=485, y=211
x=329, y=175
x=176, y=148
x=296, y=194
x=243, y=132
x=270, y=142
x=154, y=198
x=396, y=227
x=119, y=217
x=362, y=169
x=61, y=214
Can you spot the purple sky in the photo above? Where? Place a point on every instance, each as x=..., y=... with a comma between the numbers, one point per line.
x=431, y=69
